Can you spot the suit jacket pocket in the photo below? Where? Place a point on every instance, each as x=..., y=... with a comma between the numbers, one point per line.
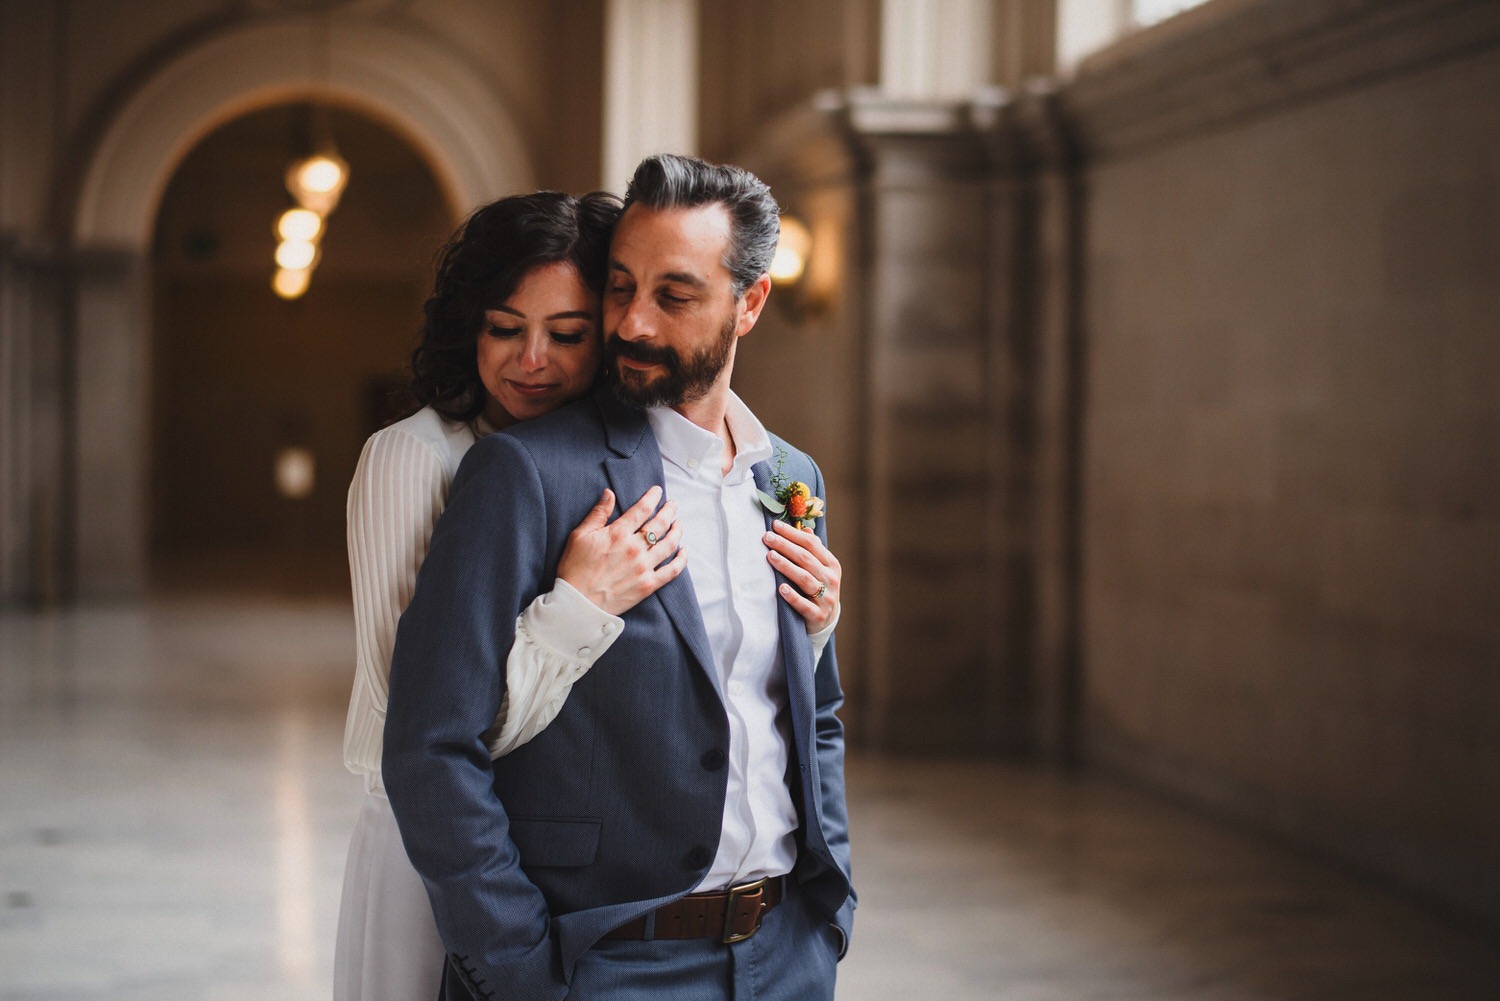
x=556, y=841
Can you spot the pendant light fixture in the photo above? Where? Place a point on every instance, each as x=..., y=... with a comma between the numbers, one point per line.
x=316, y=182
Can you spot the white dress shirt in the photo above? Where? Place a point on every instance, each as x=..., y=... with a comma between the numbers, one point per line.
x=722, y=528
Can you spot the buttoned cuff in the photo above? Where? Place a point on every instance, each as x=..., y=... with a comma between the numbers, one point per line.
x=570, y=625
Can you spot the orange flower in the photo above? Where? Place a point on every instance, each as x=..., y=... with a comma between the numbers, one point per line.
x=792, y=502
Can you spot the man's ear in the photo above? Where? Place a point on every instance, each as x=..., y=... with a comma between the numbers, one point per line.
x=752, y=302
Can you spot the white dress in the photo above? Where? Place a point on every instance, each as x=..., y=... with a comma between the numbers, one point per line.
x=388, y=947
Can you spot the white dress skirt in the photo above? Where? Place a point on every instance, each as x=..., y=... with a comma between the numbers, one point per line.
x=388, y=947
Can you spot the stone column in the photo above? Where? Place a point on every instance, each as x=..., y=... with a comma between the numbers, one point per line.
x=935, y=48
x=34, y=428
x=650, y=83
x=112, y=404
x=1046, y=167
x=948, y=339
x=952, y=450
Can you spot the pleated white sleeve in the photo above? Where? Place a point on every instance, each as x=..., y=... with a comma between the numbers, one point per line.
x=822, y=636
x=399, y=489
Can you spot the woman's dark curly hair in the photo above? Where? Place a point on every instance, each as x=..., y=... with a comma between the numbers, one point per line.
x=481, y=267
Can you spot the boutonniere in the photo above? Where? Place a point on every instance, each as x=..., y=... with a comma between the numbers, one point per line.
x=791, y=501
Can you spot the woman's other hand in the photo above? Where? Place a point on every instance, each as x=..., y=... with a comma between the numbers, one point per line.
x=813, y=573
x=616, y=564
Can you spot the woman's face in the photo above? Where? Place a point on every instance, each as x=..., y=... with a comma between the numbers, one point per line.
x=540, y=348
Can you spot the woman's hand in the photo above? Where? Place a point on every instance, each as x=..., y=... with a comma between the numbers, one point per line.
x=617, y=564
x=813, y=573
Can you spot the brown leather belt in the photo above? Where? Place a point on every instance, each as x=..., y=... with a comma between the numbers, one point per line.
x=731, y=915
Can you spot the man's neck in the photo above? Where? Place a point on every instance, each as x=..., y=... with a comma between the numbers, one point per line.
x=709, y=412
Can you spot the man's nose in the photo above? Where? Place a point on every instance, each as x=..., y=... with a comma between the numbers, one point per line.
x=631, y=321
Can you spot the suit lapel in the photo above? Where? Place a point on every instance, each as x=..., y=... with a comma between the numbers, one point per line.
x=632, y=468
x=795, y=648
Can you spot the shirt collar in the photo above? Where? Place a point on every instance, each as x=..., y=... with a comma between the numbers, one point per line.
x=689, y=447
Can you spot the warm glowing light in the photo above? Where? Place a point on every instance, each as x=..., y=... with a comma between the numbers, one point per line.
x=295, y=472
x=290, y=283
x=296, y=255
x=320, y=174
x=299, y=224
x=791, y=252
x=318, y=181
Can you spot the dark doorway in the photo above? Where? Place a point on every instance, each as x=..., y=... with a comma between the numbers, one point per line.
x=247, y=385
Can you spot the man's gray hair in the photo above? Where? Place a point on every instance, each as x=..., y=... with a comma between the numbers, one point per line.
x=668, y=181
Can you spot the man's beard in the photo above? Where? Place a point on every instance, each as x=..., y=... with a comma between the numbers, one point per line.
x=683, y=381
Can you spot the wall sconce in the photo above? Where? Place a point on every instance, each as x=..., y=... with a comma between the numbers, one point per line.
x=806, y=284
x=296, y=472
x=792, y=251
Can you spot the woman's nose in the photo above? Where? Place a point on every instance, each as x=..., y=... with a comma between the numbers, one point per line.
x=534, y=355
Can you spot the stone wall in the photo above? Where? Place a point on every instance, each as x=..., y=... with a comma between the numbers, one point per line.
x=1291, y=475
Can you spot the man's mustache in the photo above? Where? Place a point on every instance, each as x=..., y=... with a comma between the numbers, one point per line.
x=617, y=347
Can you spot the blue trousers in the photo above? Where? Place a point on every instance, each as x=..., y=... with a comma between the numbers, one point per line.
x=791, y=958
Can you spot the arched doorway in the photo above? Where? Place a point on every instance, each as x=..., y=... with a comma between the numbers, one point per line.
x=432, y=97
x=246, y=384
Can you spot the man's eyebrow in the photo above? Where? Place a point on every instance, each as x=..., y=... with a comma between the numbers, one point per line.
x=684, y=278
x=675, y=277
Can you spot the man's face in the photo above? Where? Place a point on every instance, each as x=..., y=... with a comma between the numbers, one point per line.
x=671, y=320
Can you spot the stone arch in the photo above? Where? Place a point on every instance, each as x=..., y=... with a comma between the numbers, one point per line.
x=427, y=94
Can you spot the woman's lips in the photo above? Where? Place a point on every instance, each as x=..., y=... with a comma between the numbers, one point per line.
x=532, y=389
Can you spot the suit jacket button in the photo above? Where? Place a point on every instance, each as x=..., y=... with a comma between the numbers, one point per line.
x=696, y=858
x=713, y=759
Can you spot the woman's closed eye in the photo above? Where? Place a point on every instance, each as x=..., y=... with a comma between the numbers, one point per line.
x=569, y=336
x=496, y=330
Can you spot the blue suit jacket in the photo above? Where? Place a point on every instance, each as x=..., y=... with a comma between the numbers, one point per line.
x=616, y=807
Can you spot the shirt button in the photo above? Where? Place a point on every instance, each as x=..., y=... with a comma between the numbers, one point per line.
x=696, y=858
x=692, y=463
x=712, y=760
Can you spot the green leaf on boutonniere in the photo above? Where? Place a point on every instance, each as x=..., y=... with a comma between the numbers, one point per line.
x=770, y=503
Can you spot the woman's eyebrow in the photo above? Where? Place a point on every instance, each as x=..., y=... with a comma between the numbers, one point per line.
x=572, y=314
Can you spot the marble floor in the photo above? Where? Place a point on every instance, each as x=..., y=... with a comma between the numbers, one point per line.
x=173, y=816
